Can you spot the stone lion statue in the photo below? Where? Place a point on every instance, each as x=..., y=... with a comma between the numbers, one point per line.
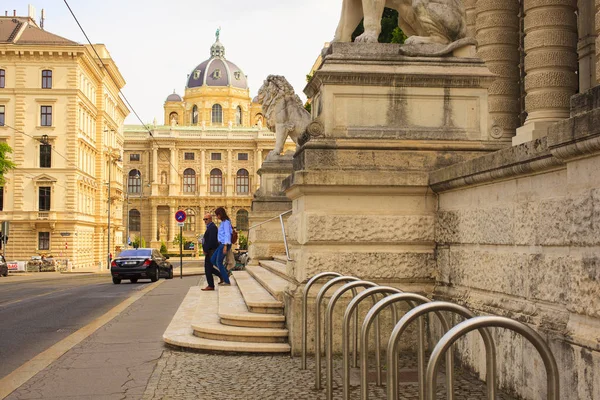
x=285, y=115
x=423, y=21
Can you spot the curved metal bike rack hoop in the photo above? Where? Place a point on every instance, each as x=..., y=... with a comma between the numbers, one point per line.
x=472, y=324
x=320, y=296
x=437, y=307
x=352, y=306
x=329, y=329
x=307, y=287
x=411, y=299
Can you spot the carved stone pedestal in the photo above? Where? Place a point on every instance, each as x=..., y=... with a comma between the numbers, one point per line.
x=269, y=201
x=361, y=199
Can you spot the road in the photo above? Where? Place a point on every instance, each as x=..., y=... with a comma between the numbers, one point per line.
x=38, y=313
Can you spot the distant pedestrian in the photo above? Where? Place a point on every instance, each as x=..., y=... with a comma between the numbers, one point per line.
x=210, y=243
x=224, y=236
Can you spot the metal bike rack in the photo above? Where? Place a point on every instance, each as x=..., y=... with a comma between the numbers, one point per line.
x=320, y=296
x=437, y=307
x=352, y=306
x=472, y=324
x=307, y=287
x=329, y=329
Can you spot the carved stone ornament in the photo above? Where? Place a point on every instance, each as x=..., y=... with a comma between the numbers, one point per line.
x=496, y=131
x=433, y=27
x=285, y=114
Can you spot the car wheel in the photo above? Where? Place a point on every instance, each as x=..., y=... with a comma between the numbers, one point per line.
x=116, y=280
x=170, y=276
x=155, y=276
x=133, y=280
x=5, y=273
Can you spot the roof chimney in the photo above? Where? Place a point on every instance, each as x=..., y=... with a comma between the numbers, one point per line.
x=14, y=13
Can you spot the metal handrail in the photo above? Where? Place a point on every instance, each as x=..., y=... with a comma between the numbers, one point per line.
x=329, y=328
x=345, y=347
x=437, y=307
x=307, y=287
x=280, y=217
x=320, y=296
x=553, y=385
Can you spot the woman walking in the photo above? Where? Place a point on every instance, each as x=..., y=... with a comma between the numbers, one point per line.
x=224, y=236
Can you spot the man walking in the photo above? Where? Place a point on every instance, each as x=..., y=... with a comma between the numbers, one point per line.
x=209, y=245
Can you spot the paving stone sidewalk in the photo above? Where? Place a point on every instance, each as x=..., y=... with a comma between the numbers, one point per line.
x=181, y=375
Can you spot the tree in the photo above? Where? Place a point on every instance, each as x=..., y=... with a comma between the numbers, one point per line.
x=390, y=32
x=5, y=164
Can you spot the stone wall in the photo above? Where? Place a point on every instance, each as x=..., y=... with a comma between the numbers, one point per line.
x=518, y=234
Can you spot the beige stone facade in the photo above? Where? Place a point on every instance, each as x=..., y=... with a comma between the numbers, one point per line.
x=63, y=119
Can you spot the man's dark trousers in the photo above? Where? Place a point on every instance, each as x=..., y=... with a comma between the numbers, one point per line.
x=209, y=270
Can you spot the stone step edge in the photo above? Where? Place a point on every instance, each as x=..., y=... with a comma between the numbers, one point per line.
x=273, y=283
x=180, y=333
x=280, y=258
x=232, y=307
x=247, y=284
x=277, y=268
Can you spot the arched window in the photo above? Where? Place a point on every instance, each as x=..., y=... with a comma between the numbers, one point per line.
x=238, y=116
x=242, y=181
x=190, y=221
x=134, y=183
x=134, y=220
x=173, y=116
x=241, y=220
x=189, y=181
x=217, y=114
x=195, y=115
x=216, y=181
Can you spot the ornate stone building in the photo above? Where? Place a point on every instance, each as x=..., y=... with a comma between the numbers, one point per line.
x=205, y=155
x=60, y=112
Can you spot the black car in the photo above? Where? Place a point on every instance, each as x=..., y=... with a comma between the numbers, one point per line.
x=3, y=266
x=140, y=263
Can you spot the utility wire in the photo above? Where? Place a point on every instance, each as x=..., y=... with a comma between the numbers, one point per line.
x=115, y=82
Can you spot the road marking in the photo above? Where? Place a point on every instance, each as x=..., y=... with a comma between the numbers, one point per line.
x=45, y=294
x=19, y=376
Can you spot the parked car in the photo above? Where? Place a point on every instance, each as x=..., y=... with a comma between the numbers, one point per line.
x=3, y=266
x=140, y=263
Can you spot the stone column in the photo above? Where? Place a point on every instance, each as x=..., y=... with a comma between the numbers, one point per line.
x=498, y=37
x=173, y=175
x=471, y=16
x=172, y=226
x=155, y=180
x=586, y=46
x=597, y=19
x=230, y=182
x=202, y=183
x=258, y=163
x=153, y=234
x=550, y=65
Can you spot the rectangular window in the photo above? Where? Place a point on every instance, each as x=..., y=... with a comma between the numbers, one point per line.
x=1, y=198
x=2, y=115
x=46, y=116
x=215, y=156
x=134, y=157
x=45, y=156
x=242, y=156
x=2, y=79
x=188, y=156
x=46, y=79
x=44, y=241
x=44, y=198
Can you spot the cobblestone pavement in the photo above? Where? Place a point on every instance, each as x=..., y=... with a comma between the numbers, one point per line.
x=180, y=375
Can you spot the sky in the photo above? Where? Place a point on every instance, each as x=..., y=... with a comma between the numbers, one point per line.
x=156, y=44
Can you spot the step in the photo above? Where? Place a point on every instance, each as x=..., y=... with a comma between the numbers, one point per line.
x=272, y=282
x=277, y=268
x=180, y=333
x=281, y=258
x=257, y=298
x=233, y=311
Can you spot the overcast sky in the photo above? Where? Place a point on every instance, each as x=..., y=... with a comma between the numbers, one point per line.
x=156, y=44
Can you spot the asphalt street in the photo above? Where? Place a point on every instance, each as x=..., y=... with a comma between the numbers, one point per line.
x=36, y=314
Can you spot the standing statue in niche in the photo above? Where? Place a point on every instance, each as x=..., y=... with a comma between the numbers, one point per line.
x=163, y=232
x=433, y=27
x=285, y=115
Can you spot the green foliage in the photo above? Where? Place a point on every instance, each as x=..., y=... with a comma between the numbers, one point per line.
x=309, y=77
x=5, y=164
x=390, y=32
x=178, y=239
x=243, y=241
x=138, y=242
x=163, y=248
x=308, y=106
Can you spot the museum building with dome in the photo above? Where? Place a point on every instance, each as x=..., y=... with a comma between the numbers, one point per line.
x=206, y=154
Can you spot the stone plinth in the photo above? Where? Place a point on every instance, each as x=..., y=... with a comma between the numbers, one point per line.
x=269, y=201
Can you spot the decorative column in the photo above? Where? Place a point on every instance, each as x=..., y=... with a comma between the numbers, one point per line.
x=550, y=65
x=586, y=46
x=154, y=233
x=172, y=226
x=497, y=26
x=471, y=17
x=202, y=182
x=258, y=163
x=230, y=183
x=155, y=180
x=173, y=175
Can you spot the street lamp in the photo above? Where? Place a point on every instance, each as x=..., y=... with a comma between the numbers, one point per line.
x=113, y=156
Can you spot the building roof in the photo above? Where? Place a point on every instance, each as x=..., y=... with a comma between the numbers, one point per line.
x=24, y=31
x=174, y=97
x=217, y=71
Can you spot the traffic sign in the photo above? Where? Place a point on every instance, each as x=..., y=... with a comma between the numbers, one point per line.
x=180, y=216
x=180, y=224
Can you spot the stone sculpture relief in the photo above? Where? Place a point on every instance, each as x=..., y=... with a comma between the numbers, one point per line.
x=433, y=27
x=285, y=115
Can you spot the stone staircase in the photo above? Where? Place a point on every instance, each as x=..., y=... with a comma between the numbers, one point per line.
x=247, y=316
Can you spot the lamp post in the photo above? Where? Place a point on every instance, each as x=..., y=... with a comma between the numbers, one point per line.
x=112, y=156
